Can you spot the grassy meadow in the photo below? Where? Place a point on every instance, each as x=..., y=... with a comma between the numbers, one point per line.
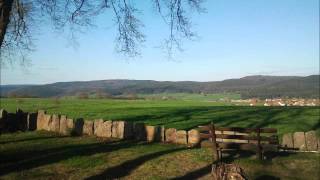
x=44, y=155
x=180, y=114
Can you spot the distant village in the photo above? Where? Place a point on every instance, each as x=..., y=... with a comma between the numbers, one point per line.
x=280, y=102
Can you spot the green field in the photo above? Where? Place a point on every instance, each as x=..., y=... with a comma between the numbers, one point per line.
x=179, y=114
x=192, y=97
x=43, y=155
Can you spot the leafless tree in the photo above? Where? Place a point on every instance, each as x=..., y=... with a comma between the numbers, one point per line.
x=19, y=17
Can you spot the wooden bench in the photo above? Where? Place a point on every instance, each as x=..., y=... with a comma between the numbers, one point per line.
x=259, y=140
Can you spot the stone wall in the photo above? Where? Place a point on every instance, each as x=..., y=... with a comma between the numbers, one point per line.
x=105, y=129
x=22, y=121
x=301, y=141
x=18, y=121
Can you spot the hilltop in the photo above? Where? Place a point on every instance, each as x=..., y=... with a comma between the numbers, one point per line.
x=250, y=86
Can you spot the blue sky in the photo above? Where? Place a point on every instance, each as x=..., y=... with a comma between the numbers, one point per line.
x=236, y=39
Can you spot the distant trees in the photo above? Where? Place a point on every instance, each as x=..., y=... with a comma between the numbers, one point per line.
x=19, y=20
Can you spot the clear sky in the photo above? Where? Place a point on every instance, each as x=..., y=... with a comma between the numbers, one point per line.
x=237, y=38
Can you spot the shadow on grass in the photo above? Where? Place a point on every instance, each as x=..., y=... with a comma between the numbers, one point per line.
x=267, y=177
x=24, y=160
x=29, y=139
x=127, y=167
x=231, y=157
x=195, y=174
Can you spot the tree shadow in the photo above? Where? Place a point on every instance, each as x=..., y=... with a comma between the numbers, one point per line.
x=29, y=159
x=267, y=177
x=230, y=157
x=127, y=167
x=195, y=174
x=30, y=139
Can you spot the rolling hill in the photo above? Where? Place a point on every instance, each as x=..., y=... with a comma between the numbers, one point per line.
x=250, y=86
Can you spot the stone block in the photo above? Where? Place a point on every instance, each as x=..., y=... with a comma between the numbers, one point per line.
x=122, y=129
x=107, y=129
x=46, y=122
x=102, y=128
x=153, y=133
x=12, y=122
x=21, y=120
x=78, y=126
x=181, y=137
x=139, y=132
x=70, y=124
x=193, y=137
x=170, y=135
x=311, y=140
x=54, y=125
x=98, y=127
x=88, y=128
x=3, y=120
x=63, y=125
x=287, y=140
x=32, y=121
x=299, y=141
x=162, y=134
x=40, y=120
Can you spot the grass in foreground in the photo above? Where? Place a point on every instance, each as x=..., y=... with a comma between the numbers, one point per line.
x=42, y=155
x=177, y=113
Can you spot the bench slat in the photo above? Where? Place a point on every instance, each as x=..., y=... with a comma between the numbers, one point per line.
x=244, y=137
x=241, y=146
x=238, y=129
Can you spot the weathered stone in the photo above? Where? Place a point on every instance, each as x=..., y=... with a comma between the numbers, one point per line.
x=98, y=127
x=299, y=141
x=12, y=122
x=311, y=141
x=88, y=128
x=107, y=131
x=102, y=128
x=122, y=129
x=153, y=133
x=40, y=120
x=162, y=134
x=171, y=135
x=3, y=120
x=193, y=137
x=139, y=132
x=116, y=130
x=22, y=120
x=287, y=140
x=46, y=122
x=54, y=125
x=63, y=125
x=3, y=113
x=32, y=121
x=78, y=127
x=70, y=124
x=181, y=137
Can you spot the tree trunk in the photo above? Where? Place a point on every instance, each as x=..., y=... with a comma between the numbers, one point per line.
x=5, y=9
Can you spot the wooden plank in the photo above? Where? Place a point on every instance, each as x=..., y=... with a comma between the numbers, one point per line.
x=244, y=137
x=203, y=128
x=243, y=130
x=205, y=136
x=214, y=143
x=241, y=146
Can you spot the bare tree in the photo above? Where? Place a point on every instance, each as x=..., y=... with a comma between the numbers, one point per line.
x=18, y=17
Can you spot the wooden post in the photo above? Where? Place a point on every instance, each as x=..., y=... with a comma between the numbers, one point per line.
x=214, y=143
x=259, y=148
